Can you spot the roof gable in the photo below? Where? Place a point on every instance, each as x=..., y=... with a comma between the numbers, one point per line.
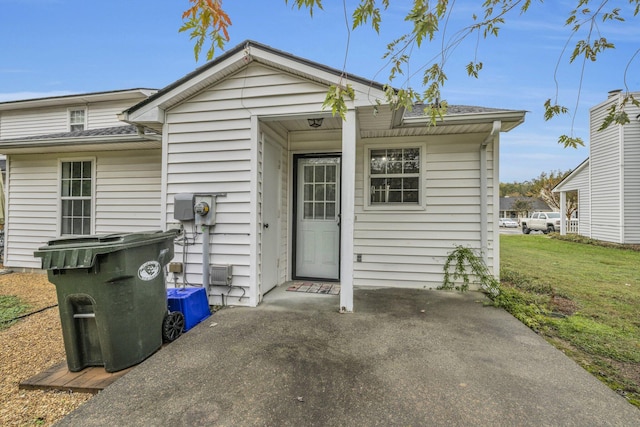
x=458, y=119
x=152, y=109
x=567, y=182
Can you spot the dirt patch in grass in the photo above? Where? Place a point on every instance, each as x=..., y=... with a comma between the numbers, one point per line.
x=563, y=305
x=576, y=238
x=628, y=370
x=30, y=346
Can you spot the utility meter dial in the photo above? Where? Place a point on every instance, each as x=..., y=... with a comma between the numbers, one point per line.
x=201, y=208
x=205, y=209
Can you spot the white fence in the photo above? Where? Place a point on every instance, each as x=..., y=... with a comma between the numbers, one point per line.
x=572, y=226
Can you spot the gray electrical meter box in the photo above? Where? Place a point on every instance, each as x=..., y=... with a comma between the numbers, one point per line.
x=183, y=204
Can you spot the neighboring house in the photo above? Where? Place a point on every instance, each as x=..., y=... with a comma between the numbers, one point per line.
x=74, y=168
x=509, y=206
x=379, y=199
x=608, y=182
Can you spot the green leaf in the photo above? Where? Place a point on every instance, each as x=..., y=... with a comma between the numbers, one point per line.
x=335, y=100
x=309, y=4
x=550, y=111
x=473, y=68
x=569, y=141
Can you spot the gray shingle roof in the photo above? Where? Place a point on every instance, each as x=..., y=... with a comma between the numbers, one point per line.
x=506, y=203
x=452, y=110
x=111, y=131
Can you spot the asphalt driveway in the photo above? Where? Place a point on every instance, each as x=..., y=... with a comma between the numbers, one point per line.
x=404, y=358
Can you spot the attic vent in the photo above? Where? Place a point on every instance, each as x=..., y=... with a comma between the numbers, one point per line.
x=221, y=275
x=614, y=92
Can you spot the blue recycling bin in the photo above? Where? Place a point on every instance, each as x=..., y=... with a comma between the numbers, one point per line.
x=191, y=302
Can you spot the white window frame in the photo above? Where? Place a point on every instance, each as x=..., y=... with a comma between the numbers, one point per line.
x=421, y=205
x=70, y=112
x=93, y=193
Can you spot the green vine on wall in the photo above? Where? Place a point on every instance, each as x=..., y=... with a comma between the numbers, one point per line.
x=462, y=259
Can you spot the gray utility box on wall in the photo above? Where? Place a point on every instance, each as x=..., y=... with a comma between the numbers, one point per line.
x=183, y=204
x=221, y=275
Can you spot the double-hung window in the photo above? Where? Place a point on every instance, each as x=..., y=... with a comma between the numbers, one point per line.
x=76, y=197
x=77, y=119
x=394, y=176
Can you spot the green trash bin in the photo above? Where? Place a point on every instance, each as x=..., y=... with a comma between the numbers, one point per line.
x=111, y=295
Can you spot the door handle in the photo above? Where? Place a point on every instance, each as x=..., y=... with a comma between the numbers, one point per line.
x=338, y=220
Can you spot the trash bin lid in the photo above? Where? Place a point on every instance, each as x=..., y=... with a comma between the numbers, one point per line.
x=81, y=251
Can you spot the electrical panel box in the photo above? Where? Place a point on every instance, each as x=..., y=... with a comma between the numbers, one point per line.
x=183, y=204
x=205, y=209
x=220, y=275
x=175, y=267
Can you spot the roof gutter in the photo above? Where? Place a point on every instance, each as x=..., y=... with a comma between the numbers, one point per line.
x=57, y=142
x=486, y=117
x=142, y=134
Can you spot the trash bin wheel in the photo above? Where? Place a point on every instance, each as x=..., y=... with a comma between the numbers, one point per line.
x=172, y=326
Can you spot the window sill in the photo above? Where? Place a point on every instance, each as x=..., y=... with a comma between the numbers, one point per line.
x=396, y=208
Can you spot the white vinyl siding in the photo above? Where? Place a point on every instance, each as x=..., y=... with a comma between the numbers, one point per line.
x=605, y=164
x=408, y=249
x=128, y=192
x=581, y=183
x=43, y=121
x=127, y=187
x=105, y=114
x=210, y=149
x=16, y=124
x=631, y=187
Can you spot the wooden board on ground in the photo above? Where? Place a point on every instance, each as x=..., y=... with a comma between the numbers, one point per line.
x=58, y=377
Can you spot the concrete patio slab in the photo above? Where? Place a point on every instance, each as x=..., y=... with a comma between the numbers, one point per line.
x=403, y=358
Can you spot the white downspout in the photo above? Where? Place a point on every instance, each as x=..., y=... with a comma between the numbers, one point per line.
x=484, y=214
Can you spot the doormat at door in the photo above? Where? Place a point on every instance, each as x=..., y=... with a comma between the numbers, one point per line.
x=315, y=288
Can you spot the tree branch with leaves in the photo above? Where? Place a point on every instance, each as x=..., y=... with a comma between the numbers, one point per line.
x=428, y=22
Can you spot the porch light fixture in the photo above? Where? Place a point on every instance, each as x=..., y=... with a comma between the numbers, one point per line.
x=315, y=123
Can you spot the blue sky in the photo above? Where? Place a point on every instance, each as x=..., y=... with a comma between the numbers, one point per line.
x=58, y=47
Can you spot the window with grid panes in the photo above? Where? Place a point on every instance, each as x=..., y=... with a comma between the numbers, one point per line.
x=320, y=181
x=76, y=188
x=76, y=120
x=394, y=176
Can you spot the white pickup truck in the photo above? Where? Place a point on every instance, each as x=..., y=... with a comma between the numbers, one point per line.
x=547, y=222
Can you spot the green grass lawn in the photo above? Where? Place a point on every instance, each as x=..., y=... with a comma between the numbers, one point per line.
x=584, y=299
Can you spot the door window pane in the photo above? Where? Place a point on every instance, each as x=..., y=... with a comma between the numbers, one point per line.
x=320, y=187
x=308, y=211
x=319, y=193
x=308, y=192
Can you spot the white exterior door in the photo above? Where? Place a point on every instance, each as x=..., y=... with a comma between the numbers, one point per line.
x=271, y=181
x=318, y=218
